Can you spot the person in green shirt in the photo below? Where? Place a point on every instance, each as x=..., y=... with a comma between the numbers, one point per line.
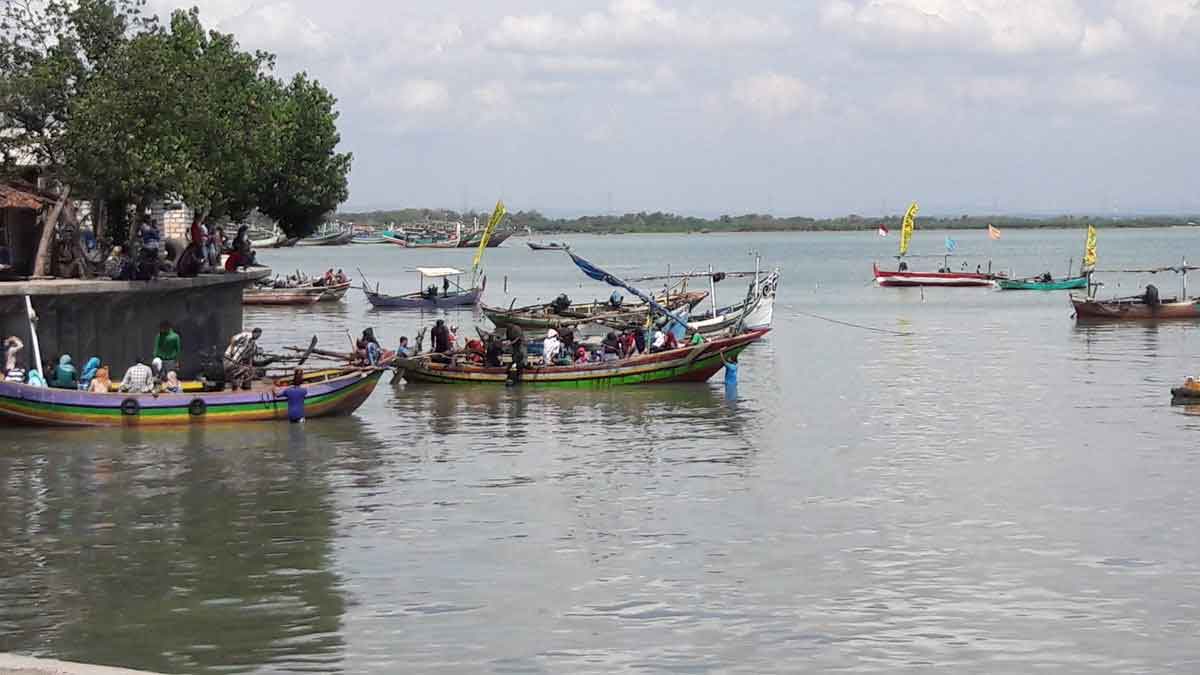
x=166, y=347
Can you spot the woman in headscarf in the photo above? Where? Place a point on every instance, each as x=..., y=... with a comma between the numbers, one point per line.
x=368, y=347
x=101, y=382
x=65, y=376
x=89, y=372
x=241, y=255
x=172, y=385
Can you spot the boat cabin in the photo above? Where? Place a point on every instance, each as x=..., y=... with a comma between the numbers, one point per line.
x=439, y=281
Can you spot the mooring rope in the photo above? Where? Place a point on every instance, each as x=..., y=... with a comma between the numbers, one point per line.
x=856, y=325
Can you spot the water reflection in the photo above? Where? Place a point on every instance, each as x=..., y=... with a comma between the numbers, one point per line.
x=213, y=546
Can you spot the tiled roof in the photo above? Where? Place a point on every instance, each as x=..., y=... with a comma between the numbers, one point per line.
x=16, y=198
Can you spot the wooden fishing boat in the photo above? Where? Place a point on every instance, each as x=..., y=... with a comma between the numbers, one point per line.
x=888, y=279
x=1039, y=284
x=544, y=317
x=1188, y=394
x=1135, y=308
x=332, y=392
x=692, y=363
x=368, y=239
x=498, y=238
x=335, y=238
x=451, y=294
x=548, y=246
x=334, y=292
x=279, y=296
x=442, y=243
x=276, y=240
x=757, y=311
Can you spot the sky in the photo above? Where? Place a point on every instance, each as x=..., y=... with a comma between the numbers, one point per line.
x=705, y=107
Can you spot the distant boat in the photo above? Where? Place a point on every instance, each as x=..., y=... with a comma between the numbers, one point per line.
x=336, y=238
x=1136, y=308
x=943, y=277
x=548, y=246
x=368, y=239
x=1043, y=284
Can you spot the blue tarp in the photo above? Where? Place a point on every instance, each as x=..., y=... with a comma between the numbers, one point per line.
x=600, y=275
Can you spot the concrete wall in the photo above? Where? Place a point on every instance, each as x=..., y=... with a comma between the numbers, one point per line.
x=118, y=321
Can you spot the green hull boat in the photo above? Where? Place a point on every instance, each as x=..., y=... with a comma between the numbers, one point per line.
x=1036, y=284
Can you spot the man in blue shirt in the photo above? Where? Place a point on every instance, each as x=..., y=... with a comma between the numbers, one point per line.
x=295, y=395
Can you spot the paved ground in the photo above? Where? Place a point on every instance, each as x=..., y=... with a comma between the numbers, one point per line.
x=11, y=664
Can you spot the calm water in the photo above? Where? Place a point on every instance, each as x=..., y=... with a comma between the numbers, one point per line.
x=997, y=490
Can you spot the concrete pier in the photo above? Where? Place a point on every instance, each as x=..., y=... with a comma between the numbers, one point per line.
x=11, y=664
x=118, y=320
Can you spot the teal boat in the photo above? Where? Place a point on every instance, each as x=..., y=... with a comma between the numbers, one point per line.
x=1040, y=284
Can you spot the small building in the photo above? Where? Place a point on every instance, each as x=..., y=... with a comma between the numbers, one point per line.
x=20, y=230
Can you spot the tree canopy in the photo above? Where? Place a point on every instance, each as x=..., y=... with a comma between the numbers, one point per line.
x=128, y=109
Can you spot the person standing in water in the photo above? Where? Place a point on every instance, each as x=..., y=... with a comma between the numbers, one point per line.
x=295, y=396
x=731, y=375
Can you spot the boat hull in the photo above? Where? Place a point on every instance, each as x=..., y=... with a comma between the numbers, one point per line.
x=1134, y=310
x=1034, y=285
x=547, y=247
x=498, y=238
x=418, y=301
x=687, y=364
x=286, y=296
x=332, y=239
x=40, y=406
x=949, y=279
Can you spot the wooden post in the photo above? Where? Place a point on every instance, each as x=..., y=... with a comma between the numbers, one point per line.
x=41, y=263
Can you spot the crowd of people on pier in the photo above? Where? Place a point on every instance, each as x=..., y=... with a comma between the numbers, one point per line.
x=157, y=374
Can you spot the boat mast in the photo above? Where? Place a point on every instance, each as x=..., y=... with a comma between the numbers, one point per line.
x=1185, y=270
x=712, y=292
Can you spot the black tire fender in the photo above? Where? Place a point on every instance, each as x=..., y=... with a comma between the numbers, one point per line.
x=131, y=407
x=197, y=407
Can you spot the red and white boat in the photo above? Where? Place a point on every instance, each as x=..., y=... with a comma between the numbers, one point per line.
x=954, y=279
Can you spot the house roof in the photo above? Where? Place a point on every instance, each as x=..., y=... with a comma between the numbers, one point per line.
x=12, y=197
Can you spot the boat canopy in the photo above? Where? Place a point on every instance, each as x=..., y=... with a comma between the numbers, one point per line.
x=439, y=271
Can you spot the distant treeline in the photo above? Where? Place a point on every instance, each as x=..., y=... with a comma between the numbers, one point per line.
x=751, y=222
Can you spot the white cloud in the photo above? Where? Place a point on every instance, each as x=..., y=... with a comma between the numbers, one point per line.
x=1106, y=91
x=773, y=95
x=282, y=27
x=663, y=78
x=992, y=26
x=413, y=96
x=1170, y=24
x=992, y=89
x=1105, y=37
x=632, y=24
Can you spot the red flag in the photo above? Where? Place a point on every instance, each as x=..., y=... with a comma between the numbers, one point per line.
x=883, y=231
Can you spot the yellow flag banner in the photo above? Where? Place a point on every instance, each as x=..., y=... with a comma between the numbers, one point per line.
x=497, y=216
x=906, y=230
x=1089, y=248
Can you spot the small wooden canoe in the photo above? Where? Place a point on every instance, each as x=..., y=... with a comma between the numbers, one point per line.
x=419, y=300
x=691, y=363
x=544, y=317
x=334, y=392
x=1036, y=284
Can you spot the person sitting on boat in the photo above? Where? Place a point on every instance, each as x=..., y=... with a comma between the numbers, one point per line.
x=628, y=343
x=903, y=266
x=475, y=351
x=581, y=354
x=441, y=338
x=88, y=373
x=340, y=277
x=403, y=351
x=139, y=379
x=697, y=338
x=12, y=348
x=550, y=347
x=979, y=269
x=445, y=286
x=672, y=342
x=327, y=280
x=659, y=341
x=566, y=338
x=64, y=375
x=615, y=300
x=1046, y=278
x=610, y=347
x=493, y=353
x=171, y=385
x=368, y=347
x=101, y=383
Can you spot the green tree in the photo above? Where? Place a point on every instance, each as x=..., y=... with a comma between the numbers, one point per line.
x=309, y=179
